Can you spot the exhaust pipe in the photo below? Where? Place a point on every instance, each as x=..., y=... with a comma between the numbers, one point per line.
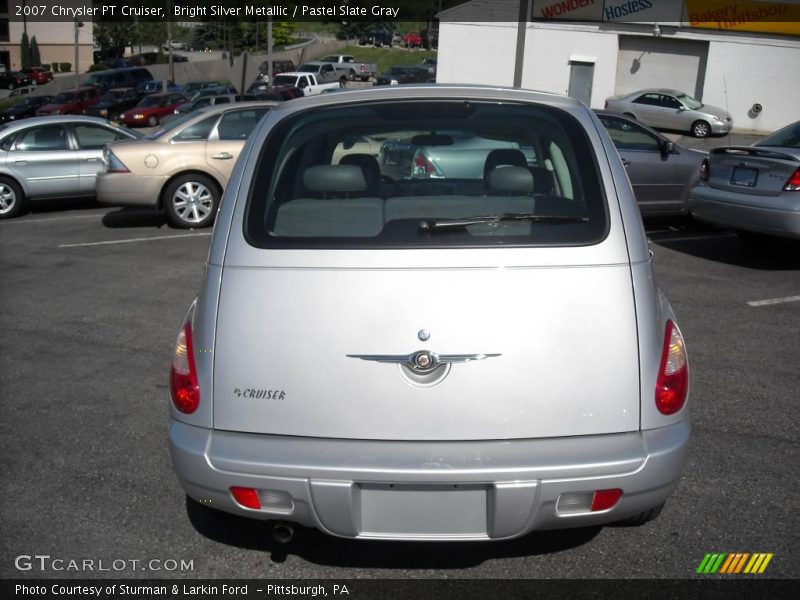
x=282, y=532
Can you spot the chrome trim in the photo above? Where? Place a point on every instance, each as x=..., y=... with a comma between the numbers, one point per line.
x=416, y=360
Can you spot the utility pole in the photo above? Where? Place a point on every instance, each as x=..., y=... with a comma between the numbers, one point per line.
x=78, y=25
x=269, y=51
x=522, y=28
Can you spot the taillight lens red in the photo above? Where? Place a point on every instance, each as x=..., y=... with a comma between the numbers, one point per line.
x=704, y=170
x=793, y=185
x=184, y=387
x=672, y=386
x=605, y=499
x=423, y=167
x=247, y=497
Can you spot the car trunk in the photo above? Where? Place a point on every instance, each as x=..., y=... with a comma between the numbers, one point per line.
x=565, y=339
x=750, y=170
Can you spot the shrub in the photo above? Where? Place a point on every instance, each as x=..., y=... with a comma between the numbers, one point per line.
x=47, y=66
x=65, y=67
x=36, y=58
x=55, y=67
x=96, y=67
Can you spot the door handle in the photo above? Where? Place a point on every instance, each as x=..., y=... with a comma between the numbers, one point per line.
x=91, y=159
x=20, y=162
x=222, y=156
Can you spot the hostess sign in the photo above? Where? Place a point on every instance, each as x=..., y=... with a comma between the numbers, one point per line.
x=766, y=17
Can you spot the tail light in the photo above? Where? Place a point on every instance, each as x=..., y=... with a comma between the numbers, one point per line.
x=704, y=170
x=793, y=185
x=247, y=497
x=672, y=385
x=423, y=167
x=184, y=387
x=605, y=499
x=113, y=163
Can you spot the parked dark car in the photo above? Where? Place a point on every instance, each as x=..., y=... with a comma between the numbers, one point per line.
x=38, y=75
x=278, y=67
x=156, y=86
x=404, y=74
x=116, y=78
x=661, y=172
x=26, y=108
x=114, y=103
x=73, y=102
x=195, y=86
x=10, y=80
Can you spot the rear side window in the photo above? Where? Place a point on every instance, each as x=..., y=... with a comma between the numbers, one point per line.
x=237, y=124
x=426, y=174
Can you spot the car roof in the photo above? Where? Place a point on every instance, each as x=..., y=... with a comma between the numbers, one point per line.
x=50, y=120
x=669, y=91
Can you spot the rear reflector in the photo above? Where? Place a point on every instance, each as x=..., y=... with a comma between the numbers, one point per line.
x=793, y=185
x=184, y=388
x=247, y=497
x=605, y=499
x=672, y=385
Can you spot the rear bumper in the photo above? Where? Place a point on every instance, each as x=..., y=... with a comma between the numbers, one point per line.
x=725, y=209
x=486, y=490
x=721, y=128
x=126, y=189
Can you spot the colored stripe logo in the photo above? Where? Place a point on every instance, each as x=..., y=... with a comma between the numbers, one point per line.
x=733, y=563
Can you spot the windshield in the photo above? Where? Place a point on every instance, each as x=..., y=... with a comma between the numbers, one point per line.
x=150, y=101
x=426, y=174
x=170, y=126
x=309, y=68
x=689, y=102
x=64, y=98
x=331, y=58
x=788, y=137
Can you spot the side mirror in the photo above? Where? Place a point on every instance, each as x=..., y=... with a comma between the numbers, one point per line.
x=667, y=147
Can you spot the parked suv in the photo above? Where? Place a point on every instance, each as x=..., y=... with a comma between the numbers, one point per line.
x=117, y=78
x=465, y=357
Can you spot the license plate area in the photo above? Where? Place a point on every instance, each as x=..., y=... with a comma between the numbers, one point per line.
x=744, y=176
x=423, y=511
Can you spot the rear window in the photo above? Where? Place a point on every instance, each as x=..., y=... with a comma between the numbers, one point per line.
x=426, y=174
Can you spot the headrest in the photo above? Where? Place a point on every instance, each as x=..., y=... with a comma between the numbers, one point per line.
x=365, y=161
x=514, y=180
x=503, y=156
x=334, y=178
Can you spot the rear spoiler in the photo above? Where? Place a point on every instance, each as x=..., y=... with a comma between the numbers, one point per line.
x=754, y=152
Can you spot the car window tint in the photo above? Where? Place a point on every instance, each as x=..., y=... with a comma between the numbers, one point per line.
x=629, y=136
x=237, y=124
x=378, y=174
x=222, y=100
x=198, y=131
x=93, y=137
x=669, y=102
x=42, y=139
x=649, y=99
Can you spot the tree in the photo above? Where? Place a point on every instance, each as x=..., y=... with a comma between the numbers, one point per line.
x=112, y=37
x=36, y=58
x=25, y=51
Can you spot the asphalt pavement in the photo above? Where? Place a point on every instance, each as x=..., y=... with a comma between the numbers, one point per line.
x=93, y=299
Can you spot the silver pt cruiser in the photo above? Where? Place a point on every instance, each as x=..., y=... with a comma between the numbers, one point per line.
x=390, y=353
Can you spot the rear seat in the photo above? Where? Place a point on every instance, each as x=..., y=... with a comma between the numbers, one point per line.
x=338, y=213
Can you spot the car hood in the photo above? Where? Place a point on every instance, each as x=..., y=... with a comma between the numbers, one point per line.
x=714, y=111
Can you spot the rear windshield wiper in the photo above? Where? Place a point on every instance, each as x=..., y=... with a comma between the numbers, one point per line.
x=434, y=224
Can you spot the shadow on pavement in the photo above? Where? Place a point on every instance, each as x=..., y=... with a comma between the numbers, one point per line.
x=134, y=217
x=322, y=549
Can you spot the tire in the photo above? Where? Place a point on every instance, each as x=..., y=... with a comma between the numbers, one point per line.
x=642, y=518
x=191, y=201
x=701, y=129
x=12, y=198
x=152, y=121
x=342, y=81
x=754, y=239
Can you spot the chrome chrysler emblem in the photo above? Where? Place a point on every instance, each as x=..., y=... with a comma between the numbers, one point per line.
x=422, y=361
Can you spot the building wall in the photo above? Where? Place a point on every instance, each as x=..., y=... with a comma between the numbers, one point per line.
x=56, y=41
x=740, y=70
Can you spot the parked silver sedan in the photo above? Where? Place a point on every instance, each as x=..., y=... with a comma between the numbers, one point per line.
x=661, y=171
x=672, y=109
x=753, y=189
x=455, y=358
x=52, y=157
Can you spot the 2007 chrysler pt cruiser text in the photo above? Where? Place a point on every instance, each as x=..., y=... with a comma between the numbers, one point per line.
x=380, y=350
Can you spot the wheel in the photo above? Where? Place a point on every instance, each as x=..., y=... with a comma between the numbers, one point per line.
x=643, y=517
x=191, y=201
x=701, y=129
x=342, y=81
x=12, y=198
x=152, y=121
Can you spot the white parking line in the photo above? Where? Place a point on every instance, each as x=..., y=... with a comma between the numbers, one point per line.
x=132, y=240
x=24, y=221
x=774, y=301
